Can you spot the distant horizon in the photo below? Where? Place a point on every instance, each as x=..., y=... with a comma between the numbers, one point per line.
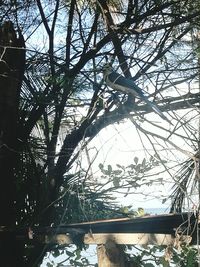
x=157, y=210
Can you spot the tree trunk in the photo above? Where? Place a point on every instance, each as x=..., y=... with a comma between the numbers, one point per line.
x=12, y=61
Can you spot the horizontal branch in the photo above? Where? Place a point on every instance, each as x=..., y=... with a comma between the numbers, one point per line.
x=117, y=115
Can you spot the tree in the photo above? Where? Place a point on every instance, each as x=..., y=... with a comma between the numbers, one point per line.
x=12, y=64
x=67, y=42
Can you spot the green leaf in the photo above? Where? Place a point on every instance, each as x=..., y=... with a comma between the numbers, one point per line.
x=117, y=172
x=191, y=258
x=78, y=263
x=109, y=169
x=136, y=159
x=138, y=167
x=132, y=166
x=164, y=262
x=144, y=163
x=78, y=254
x=85, y=261
x=100, y=166
x=116, y=181
x=140, y=212
x=126, y=209
x=69, y=253
x=120, y=166
x=56, y=253
x=148, y=265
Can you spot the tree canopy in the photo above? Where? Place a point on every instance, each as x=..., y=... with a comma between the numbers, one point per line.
x=63, y=102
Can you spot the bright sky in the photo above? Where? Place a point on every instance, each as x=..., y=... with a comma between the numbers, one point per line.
x=119, y=144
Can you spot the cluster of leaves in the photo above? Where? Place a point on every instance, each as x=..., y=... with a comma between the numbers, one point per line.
x=149, y=256
x=134, y=175
x=143, y=37
x=70, y=255
x=164, y=256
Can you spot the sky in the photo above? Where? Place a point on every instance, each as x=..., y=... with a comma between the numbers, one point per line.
x=120, y=144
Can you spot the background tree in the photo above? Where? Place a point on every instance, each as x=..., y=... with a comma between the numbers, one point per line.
x=64, y=103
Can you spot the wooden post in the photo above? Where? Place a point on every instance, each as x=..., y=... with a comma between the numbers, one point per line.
x=110, y=255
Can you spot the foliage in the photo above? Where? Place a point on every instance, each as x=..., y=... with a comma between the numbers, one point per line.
x=69, y=255
x=165, y=256
x=64, y=102
x=132, y=176
x=150, y=256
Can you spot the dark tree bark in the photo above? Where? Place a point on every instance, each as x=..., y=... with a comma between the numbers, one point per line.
x=12, y=61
